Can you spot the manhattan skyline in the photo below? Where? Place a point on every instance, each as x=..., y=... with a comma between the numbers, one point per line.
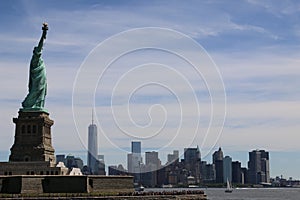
x=254, y=44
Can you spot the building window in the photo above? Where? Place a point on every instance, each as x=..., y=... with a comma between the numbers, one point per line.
x=5, y=173
x=41, y=173
x=32, y=172
x=34, y=129
x=26, y=158
x=27, y=173
x=47, y=172
x=23, y=131
x=56, y=173
x=52, y=173
x=9, y=173
x=28, y=129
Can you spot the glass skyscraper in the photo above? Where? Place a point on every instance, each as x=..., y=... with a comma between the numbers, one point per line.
x=258, y=165
x=135, y=147
x=134, y=159
x=218, y=162
x=92, y=148
x=227, y=169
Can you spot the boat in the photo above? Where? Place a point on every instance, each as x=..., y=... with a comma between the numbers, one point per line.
x=167, y=186
x=193, y=186
x=228, y=188
x=140, y=188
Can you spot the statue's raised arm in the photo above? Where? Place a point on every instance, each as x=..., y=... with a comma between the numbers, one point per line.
x=43, y=37
x=37, y=86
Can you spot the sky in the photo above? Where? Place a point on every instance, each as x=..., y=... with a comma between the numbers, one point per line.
x=248, y=74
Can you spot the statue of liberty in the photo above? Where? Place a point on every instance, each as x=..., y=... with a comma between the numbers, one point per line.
x=35, y=99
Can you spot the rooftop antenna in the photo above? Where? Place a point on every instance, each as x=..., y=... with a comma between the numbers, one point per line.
x=92, y=115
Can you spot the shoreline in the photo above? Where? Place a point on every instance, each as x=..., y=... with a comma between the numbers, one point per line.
x=164, y=195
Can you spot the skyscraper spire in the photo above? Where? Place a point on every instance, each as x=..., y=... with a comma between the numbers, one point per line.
x=92, y=146
x=92, y=115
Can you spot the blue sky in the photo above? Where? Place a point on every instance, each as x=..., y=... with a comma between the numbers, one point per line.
x=255, y=45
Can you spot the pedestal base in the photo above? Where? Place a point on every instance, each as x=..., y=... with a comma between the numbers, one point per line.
x=32, y=138
x=66, y=184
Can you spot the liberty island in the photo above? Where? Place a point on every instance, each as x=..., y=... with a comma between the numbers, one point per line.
x=32, y=168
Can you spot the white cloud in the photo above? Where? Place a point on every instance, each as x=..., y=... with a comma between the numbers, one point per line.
x=286, y=7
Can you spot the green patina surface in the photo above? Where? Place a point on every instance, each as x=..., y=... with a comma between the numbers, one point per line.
x=37, y=87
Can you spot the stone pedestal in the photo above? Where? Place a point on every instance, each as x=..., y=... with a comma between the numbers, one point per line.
x=38, y=184
x=32, y=138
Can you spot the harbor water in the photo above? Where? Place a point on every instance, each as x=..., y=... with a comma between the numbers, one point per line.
x=246, y=193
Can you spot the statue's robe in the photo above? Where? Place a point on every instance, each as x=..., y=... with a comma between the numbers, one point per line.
x=37, y=82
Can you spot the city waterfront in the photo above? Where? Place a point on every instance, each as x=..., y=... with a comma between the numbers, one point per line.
x=150, y=100
x=246, y=193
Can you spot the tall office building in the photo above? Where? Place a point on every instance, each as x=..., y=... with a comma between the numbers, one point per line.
x=227, y=169
x=265, y=166
x=101, y=165
x=207, y=172
x=236, y=172
x=218, y=162
x=152, y=160
x=153, y=163
x=92, y=157
x=173, y=157
x=192, y=155
x=134, y=159
x=218, y=155
x=192, y=162
x=60, y=158
x=258, y=167
x=244, y=175
x=136, y=147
